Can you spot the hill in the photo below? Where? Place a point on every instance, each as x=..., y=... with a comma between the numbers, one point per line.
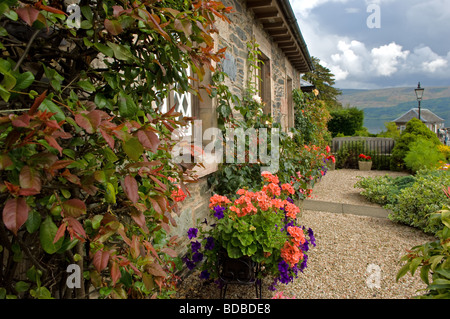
x=385, y=105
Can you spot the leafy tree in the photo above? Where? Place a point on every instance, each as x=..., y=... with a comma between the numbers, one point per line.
x=423, y=154
x=323, y=80
x=346, y=121
x=415, y=129
x=86, y=171
x=391, y=131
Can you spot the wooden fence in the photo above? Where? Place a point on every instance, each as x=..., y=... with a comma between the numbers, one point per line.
x=347, y=150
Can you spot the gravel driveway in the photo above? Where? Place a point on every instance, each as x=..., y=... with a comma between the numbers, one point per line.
x=355, y=257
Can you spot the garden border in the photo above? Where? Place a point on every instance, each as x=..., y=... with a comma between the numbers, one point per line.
x=342, y=208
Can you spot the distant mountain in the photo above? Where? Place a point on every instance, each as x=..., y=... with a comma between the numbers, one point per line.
x=386, y=105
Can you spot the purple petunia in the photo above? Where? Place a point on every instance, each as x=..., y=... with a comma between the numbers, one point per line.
x=192, y=233
x=311, y=237
x=204, y=274
x=304, y=263
x=218, y=211
x=196, y=257
x=189, y=263
x=195, y=246
x=209, y=243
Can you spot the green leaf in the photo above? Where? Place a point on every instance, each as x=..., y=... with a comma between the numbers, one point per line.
x=121, y=52
x=47, y=235
x=109, y=154
x=435, y=260
x=110, y=195
x=414, y=264
x=21, y=286
x=87, y=13
x=24, y=80
x=127, y=107
x=33, y=222
x=41, y=293
x=444, y=272
x=133, y=148
x=424, y=274
x=96, y=220
x=402, y=271
x=4, y=93
x=86, y=85
x=446, y=218
x=104, y=49
x=49, y=106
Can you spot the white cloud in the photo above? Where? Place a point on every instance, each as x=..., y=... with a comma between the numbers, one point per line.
x=386, y=58
x=389, y=56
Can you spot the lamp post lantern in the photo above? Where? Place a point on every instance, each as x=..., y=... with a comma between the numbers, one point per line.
x=419, y=95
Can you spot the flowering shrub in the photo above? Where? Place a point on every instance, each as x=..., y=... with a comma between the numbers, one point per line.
x=364, y=158
x=261, y=225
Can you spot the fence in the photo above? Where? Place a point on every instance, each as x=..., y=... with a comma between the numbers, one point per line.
x=347, y=150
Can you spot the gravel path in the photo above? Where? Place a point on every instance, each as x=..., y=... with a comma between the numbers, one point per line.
x=355, y=257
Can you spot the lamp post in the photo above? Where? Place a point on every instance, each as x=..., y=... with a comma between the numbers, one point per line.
x=419, y=95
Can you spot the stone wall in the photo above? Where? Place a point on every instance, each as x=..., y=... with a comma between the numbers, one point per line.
x=234, y=36
x=194, y=208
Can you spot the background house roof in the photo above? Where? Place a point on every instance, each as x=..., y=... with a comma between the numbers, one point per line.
x=425, y=115
x=278, y=20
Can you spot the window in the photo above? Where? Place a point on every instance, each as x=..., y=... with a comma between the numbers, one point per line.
x=290, y=104
x=183, y=104
x=264, y=83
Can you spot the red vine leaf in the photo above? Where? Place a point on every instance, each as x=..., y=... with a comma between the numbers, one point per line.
x=156, y=270
x=74, y=208
x=113, y=26
x=60, y=232
x=53, y=143
x=75, y=229
x=5, y=161
x=29, y=179
x=101, y=259
x=139, y=218
x=15, y=213
x=130, y=187
x=28, y=14
x=37, y=102
x=149, y=140
x=115, y=272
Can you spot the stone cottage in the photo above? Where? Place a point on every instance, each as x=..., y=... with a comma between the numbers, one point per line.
x=285, y=55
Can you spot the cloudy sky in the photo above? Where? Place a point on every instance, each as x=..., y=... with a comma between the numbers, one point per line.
x=372, y=44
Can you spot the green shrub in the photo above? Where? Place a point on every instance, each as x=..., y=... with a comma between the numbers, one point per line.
x=383, y=190
x=415, y=203
x=423, y=154
x=433, y=260
x=415, y=129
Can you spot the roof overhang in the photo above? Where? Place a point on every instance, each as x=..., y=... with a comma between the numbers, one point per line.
x=278, y=20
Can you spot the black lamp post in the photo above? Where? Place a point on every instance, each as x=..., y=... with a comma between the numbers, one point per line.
x=419, y=95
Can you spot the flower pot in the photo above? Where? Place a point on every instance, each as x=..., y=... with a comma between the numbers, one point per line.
x=364, y=166
x=242, y=271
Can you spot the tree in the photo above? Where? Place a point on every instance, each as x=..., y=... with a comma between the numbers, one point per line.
x=346, y=121
x=323, y=80
x=86, y=171
x=415, y=130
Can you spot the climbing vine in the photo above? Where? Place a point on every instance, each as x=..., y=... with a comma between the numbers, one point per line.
x=86, y=172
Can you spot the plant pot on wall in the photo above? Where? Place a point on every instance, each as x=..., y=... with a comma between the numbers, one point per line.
x=364, y=166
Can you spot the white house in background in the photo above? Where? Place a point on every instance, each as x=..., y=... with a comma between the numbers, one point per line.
x=431, y=120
